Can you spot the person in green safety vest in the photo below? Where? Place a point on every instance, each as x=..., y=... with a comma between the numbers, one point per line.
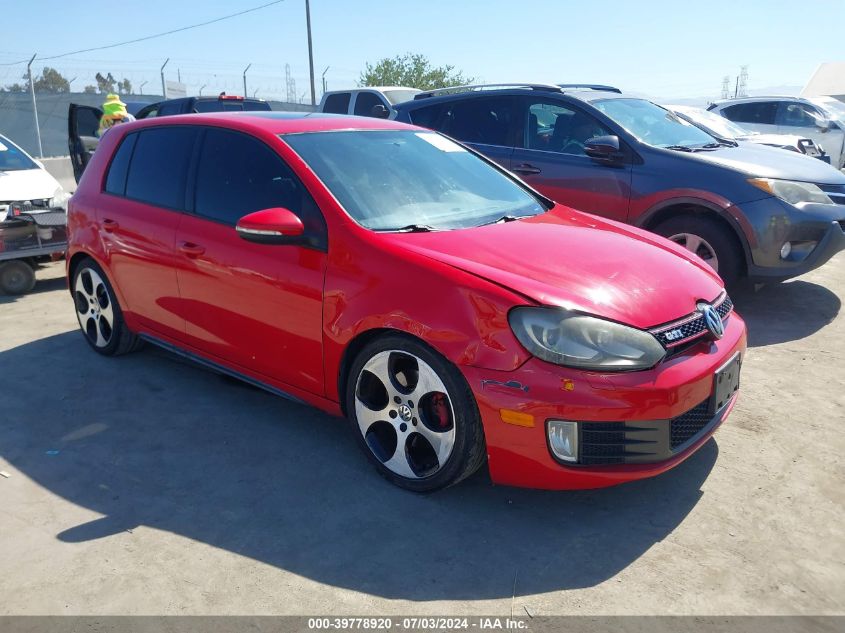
x=114, y=112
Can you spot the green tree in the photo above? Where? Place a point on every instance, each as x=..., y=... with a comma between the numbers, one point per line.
x=90, y=90
x=412, y=70
x=124, y=87
x=51, y=80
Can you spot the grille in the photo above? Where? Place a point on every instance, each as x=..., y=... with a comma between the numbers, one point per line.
x=691, y=326
x=607, y=443
x=687, y=425
x=835, y=192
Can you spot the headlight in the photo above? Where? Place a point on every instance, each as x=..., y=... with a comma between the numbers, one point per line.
x=791, y=191
x=59, y=200
x=583, y=342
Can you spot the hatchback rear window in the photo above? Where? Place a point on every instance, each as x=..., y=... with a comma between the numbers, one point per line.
x=159, y=166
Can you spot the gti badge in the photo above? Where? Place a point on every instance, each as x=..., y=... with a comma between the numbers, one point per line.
x=712, y=320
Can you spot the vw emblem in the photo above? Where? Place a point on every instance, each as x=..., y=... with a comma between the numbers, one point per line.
x=712, y=320
x=405, y=412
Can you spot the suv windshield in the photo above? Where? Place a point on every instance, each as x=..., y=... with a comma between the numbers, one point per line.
x=713, y=123
x=12, y=157
x=398, y=96
x=390, y=180
x=654, y=125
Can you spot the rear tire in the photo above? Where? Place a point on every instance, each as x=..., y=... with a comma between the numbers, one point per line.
x=98, y=312
x=414, y=414
x=710, y=240
x=16, y=277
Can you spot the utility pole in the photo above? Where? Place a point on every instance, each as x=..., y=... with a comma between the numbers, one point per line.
x=310, y=51
x=743, y=81
x=736, y=90
x=34, y=106
x=726, y=80
x=325, y=88
x=179, y=75
x=246, y=94
x=163, y=85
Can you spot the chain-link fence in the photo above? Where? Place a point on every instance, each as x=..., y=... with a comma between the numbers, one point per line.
x=17, y=121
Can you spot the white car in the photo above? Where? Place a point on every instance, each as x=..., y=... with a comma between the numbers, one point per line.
x=375, y=101
x=822, y=121
x=721, y=127
x=24, y=179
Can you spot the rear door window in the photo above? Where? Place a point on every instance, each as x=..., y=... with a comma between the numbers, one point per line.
x=760, y=113
x=364, y=103
x=159, y=166
x=485, y=121
x=337, y=103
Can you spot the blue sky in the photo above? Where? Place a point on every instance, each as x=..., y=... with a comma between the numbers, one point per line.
x=663, y=49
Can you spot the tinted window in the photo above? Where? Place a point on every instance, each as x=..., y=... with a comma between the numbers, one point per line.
x=364, y=103
x=799, y=115
x=238, y=174
x=116, y=178
x=173, y=107
x=428, y=116
x=159, y=166
x=762, y=113
x=337, y=103
x=487, y=121
x=555, y=128
x=87, y=121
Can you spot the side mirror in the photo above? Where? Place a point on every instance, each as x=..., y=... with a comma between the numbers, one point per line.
x=823, y=124
x=379, y=111
x=271, y=226
x=603, y=148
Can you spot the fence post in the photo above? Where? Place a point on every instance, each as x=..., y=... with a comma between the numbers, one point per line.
x=34, y=106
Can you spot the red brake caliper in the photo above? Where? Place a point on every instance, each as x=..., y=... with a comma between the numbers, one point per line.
x=440, y=407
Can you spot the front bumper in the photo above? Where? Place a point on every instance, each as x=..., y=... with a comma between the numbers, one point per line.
x=518, y=454
x=770, y=222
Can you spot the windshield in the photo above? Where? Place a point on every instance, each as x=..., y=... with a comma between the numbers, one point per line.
x=12, y=158
x=652, y=124
x=713, y=123
x=835, y=107
x=398, y=96
x=394, y=179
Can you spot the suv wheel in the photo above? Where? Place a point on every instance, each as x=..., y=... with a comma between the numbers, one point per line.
x=414, y=414
x=709, y=240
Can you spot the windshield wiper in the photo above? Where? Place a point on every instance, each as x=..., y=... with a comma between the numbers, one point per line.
x=505, y=218
x=410, y=228
x=720, y=143
x=680, y=148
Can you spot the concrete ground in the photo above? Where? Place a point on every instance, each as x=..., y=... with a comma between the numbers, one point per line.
x=144, y=485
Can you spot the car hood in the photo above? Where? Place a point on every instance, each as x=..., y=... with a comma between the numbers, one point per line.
x=763, y=161
x=778, y=139
x=27, y=184
x=577, y=261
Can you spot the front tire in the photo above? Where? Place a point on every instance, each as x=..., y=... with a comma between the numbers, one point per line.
x=16, y=277
x=414, y=414
x=98, y=312
x=708, y=239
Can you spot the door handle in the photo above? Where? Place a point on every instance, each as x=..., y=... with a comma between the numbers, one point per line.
x=191, y=250
x=110, y=225
x=526, y=168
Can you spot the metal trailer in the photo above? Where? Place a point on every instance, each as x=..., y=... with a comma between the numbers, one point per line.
x=27, y=240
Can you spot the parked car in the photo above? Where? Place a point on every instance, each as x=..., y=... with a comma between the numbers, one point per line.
x=720, y=127
x=385, y=272
x=24, y=179
x=84, y=121
x=749, y=211
x=374, y=101
x=789, y=115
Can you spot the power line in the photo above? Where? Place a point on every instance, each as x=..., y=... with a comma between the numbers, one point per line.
x=151, y=37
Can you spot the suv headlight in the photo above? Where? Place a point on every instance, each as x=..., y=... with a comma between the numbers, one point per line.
x=584, y=342
x=792, y=191
x=59, y=200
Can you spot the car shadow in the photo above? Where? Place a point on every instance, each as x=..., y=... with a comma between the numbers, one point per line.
x=790, y=311
x=150, y=440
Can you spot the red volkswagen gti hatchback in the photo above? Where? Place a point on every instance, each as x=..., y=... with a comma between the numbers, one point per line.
x=384, y=272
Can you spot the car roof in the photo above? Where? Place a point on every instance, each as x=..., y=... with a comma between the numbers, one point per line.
x=583, y=94
x=724, y=102
x=274, y=122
